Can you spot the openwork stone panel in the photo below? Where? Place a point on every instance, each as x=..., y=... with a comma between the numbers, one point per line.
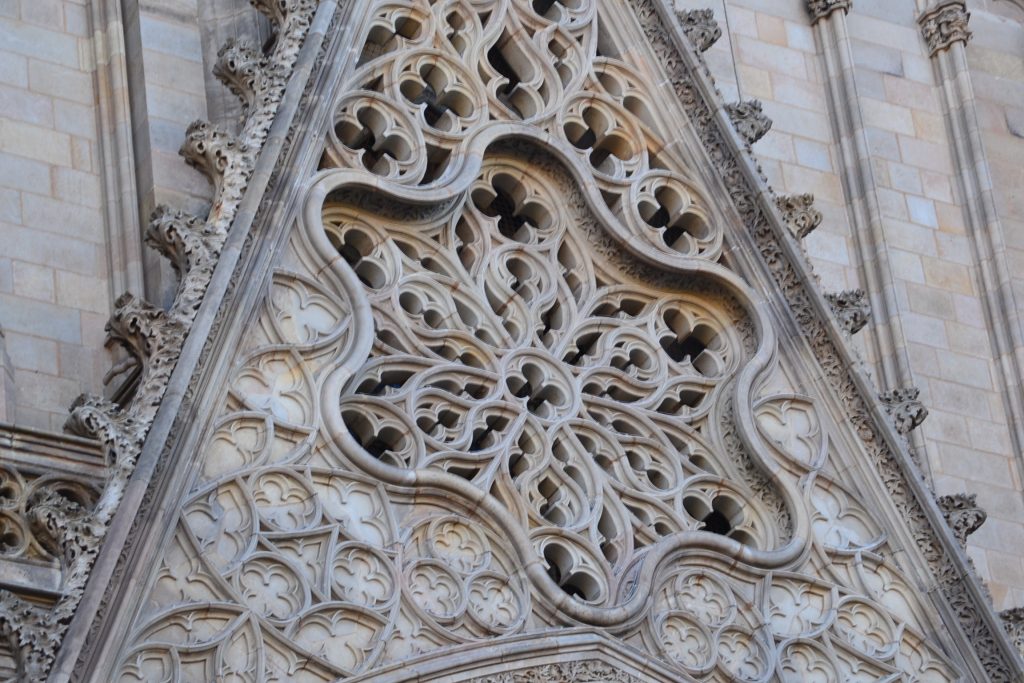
x=504, y=388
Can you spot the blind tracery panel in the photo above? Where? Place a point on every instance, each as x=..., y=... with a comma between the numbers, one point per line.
x=502, y=385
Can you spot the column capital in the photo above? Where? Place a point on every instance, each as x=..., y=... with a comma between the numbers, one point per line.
x=819, y=9
x=945, y=24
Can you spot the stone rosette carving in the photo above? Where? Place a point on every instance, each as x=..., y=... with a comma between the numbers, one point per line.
x=589, y=671
x=73, y=527
x=903, y=406
x=700, y=27
x=945, y=25
x=799, y=213
x=962, y=514
x=820, y=9
x=1013, y=622
x=851, y=309
x=748, y=119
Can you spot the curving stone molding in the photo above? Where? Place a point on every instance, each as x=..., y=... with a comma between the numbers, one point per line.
x=944, y=25
x=72, y=526
x=700, y=27
x=748, y=119
x=799, y=213
x=962, y=514
x=395, y=451
x=851, y=309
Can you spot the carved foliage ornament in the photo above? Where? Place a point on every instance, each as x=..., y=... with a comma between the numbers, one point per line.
x=700, y=27
x=820, y=9
x=799, y=213
x=903, y=406
x=750, y=122
x=851, y=308
x=962, y=514
x=514, y=387
x=944, y=25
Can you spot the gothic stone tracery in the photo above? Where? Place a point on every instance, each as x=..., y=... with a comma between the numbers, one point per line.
x=529, y=393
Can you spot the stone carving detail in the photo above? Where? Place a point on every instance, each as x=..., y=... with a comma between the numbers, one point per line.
x=1013, y=622
x=243, y=69
x=962, y=514
x=952, y=576
x=851, y=308
x=750, y=122
x=906, y=411
x=799, y=213
x=589, y=671
x=944, y=25
x=451, y=420
x=700, y=27
x=71, y=526
x=819, y=9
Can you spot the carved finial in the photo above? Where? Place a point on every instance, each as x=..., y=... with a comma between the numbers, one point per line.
x=819, y=9
x=700, y=27
x=851, y=308
x=944, y=25
x=799, y=213
x=179, y=237
x=242, y=68
x=1013, y=622
x=906, y=411
x=962, y=514
x=211, y=150
x=750, y=123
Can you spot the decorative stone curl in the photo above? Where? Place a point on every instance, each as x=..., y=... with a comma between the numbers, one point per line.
x=906, y=411
x=799, y=213
x=945, y=25
x=962, y=514
x=700, y=27
x=851, y=308
x=181, y=238
x=819, y=9
x=749, y=121
x=212, y=151
x=243, y=69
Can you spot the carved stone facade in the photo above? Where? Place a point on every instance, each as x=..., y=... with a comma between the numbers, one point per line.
x=493, y=359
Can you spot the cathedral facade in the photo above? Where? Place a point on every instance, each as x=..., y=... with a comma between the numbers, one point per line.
x=512, y=340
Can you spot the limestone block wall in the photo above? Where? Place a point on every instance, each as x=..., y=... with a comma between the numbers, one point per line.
x=937, y=329
x=54, y=276
x=95, y=98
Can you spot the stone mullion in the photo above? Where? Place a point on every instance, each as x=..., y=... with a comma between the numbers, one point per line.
x=984, y=231
x=886, y=337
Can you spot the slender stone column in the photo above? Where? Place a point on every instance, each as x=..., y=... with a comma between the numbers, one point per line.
x=944, y=27
x=885, y=335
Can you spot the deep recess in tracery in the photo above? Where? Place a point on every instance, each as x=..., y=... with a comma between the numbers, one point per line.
x=503, y=384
